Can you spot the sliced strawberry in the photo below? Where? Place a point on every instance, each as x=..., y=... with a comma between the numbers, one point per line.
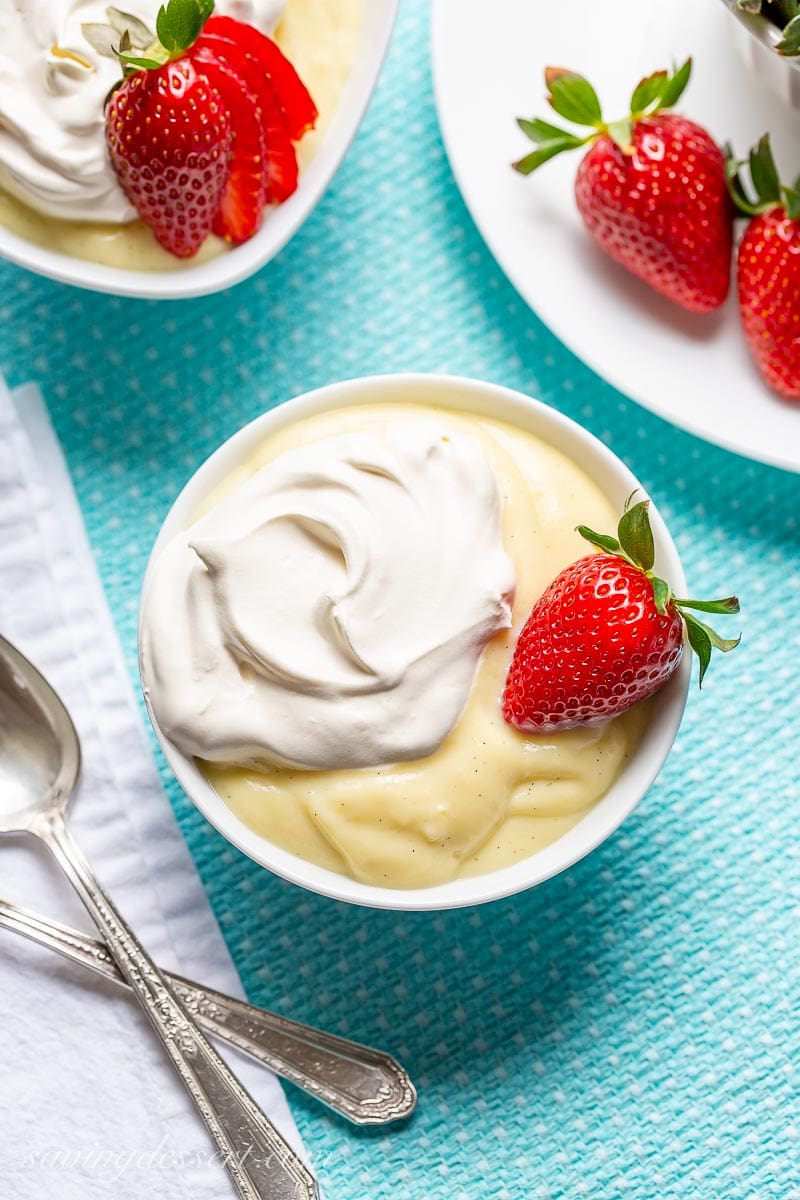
x=242, y=205
x=281, y=160
x=282, y=169
x=293, y=96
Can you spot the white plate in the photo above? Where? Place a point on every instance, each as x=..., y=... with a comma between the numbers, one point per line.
x=279, y=225
x=488, y=63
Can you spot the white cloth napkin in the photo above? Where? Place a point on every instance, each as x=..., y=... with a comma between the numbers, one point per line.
x=89, y=1106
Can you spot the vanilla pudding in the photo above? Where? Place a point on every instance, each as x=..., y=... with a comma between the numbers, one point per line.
x=57, y=186
x=347, y=687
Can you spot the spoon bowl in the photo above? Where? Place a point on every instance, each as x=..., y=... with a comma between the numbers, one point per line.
x=40, y=754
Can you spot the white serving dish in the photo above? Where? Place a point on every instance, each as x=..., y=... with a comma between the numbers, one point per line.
x=617, y=483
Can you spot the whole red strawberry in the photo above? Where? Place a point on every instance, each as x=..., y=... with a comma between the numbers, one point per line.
x=768, y=271
x=170, y=138
x=201, y=128
x=604, y=635
x=651, y=189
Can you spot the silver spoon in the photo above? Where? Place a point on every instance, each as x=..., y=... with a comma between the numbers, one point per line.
x=39, y=765
x=367, y=1086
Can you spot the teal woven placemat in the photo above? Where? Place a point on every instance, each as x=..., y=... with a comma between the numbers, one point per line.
x=631, y=1027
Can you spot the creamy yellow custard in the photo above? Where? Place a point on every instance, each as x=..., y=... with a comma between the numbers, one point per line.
x=319, y=37
x=489, y=795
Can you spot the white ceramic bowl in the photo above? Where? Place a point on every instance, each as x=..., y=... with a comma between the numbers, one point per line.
x=615, y=480
x=757, y=41
x=242, y=261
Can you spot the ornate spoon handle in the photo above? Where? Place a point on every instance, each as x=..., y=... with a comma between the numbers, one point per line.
x=362, y=1084
x=260, y=1163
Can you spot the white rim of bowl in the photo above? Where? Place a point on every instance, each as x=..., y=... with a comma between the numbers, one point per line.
x=615, y=480
x=239, y=263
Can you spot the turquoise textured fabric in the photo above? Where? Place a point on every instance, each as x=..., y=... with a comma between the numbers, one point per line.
x=629, y=1029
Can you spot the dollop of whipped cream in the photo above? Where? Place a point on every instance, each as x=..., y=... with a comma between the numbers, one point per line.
x=53, y=86
x=331, y=611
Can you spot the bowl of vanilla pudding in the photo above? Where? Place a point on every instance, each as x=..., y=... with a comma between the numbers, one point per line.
x=62, y=211
x=327, y=620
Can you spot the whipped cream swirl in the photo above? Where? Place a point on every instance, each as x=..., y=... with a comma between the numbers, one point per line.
x=331, y=611
x=53, y=85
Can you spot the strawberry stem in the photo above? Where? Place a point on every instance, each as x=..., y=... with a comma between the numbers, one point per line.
x=634, y=542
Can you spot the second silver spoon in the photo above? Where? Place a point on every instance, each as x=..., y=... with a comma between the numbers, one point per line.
x=367, y=1086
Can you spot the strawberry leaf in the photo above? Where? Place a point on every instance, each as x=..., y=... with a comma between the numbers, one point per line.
x=179, y=23
x=791, y=198
x=764, y=177
x=636, y=536
x=662, y=593
x=770, y=193
x=601, y=540
x=721, y=643
x=736, y=188
x=789, y=45
x=572, y=97
x=725, y=607
x=702, y=638
x=648, y=91
x=676, y=86
x=718, y=643
x=764, y=173
x=700, y=642
x=146, y=64
x=546, y=151
x=101, y=38
x=541, y=131
x=140, y=35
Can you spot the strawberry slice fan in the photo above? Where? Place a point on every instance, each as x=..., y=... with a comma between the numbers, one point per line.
x=202, y=127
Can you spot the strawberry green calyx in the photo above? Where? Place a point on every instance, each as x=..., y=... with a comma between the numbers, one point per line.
x=178, y=26
x=634, y=542
x=765, y=180
x=574, y=98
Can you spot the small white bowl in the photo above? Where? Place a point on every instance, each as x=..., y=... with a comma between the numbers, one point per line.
x=757, y=41
x=279, y=225
x=615, y=480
